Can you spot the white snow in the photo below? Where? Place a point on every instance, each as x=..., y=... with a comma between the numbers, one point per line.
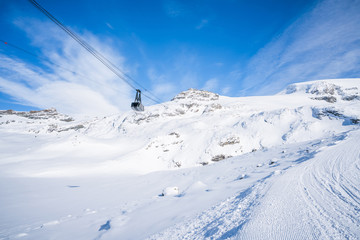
x=170, y=191
x=201, y=166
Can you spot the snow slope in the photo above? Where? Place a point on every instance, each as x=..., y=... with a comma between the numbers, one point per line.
x=316, y=197
x=275, y=167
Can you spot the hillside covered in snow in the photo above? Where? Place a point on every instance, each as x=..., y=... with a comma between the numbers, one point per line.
x=201, y=166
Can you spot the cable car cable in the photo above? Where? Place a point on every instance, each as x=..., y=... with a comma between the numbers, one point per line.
x=112, y=67
x=47, y=60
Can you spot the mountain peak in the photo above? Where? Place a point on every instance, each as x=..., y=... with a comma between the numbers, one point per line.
x=195, y=94
x=329, y=90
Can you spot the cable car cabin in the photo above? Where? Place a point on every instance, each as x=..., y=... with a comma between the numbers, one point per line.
x=137, y=105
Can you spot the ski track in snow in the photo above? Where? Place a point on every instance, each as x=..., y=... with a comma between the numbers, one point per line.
x=295, y=173
x=223, y=220
x=319, y=198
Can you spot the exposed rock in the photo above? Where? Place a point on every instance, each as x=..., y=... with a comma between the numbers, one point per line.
x=40, y=114
x=77, y=127
x=219, y=157
x=175, y=134
x=204, y=163
x=139, y=118
x=229, y=141
x=325, y=91
x=351, y=98
x=329, y=99
x=332, y=113
x=213, y=107
x=200, y=95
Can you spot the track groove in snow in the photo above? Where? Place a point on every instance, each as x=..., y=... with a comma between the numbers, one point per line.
x=314, y=192
x=221, y=221
x=294, y=173
x=318, y=198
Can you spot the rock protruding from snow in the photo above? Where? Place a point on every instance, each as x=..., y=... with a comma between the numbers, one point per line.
x=41, y=114
x=201, y=128
x=328, y=90
x=194, y=94
x=188, y=103
x=41, y=121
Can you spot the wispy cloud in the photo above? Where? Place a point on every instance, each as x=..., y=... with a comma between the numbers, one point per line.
x=323, y=43
x=175, y=73
x=174, y=8
x=219, y=64
x=202, y=24
x=211, y=85
x=87, y=88
x=225, y=90
x=109, y=26
x=160, y=85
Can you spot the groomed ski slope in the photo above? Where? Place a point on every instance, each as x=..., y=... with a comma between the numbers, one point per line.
x=320, y=199
x=306, y=190
x=317, y=197
x=276, y=167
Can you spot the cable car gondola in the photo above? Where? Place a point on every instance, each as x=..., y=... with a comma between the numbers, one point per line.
x=137, y=105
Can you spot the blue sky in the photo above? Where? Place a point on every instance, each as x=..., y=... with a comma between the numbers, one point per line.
x=234, y=48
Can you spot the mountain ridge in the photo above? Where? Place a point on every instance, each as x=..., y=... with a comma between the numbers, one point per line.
x=199, y=127
x=202, y=166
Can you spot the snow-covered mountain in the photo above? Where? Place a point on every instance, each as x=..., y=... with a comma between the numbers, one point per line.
x=230, y=160
x=195, y=128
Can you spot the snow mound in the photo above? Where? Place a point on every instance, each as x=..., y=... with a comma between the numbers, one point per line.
x=170, y=191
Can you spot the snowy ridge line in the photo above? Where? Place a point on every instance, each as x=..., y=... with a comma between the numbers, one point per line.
x=47, y=121
x=162, y=137
x=274, y=167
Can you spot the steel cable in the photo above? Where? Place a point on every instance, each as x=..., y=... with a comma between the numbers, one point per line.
x=112, y=67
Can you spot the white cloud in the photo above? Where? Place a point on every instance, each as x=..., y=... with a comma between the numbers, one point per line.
x=74, y=99
x=225, y=90
x=174, y=74
x=211, y=85
x=91, y=90
x=154, y=76
x=323, y=43
x=161, y=87
x=164, y=89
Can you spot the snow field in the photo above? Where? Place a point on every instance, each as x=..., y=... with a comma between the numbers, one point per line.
x=200, y=167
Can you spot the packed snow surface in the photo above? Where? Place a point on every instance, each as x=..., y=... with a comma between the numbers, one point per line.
x=201, y=166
